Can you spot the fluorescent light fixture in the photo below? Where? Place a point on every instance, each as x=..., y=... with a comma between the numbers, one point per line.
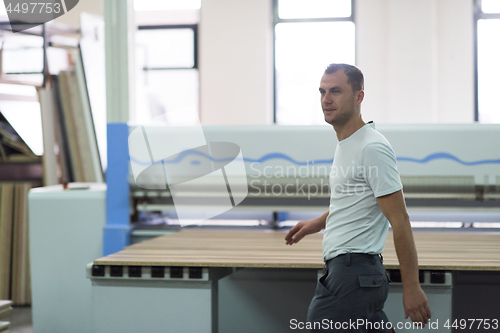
x=239, y=223
x=426, y=224
x=288, y=223
x=291, y=223
x=486, y=225
x=154, y=5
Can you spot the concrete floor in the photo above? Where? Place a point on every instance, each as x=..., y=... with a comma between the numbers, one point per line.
x=20, y=320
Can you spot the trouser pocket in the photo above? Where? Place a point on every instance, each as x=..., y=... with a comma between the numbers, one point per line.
x=373, y=291
x=372, y=281
x=322, y=304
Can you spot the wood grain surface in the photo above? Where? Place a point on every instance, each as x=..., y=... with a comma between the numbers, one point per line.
x=244, y=248
x=5, y=304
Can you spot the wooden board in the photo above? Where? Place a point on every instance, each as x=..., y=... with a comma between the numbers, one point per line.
x=47, y=106
x=70, y=125
x=21, y=284
x=229, y=248
x=5, y=304
x=5, y=312
x=82, y=130
x=65, y=172
x=14, y=243
x=4, y=325
x=93, y=169
x=6, y=223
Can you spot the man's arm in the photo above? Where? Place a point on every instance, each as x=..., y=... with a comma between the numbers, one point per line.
x=414, y=300
x=303, y=228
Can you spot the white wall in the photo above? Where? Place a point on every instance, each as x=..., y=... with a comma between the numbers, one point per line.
x=417, y=56
x=159, y=17
x=418, y=60
x=236, y=73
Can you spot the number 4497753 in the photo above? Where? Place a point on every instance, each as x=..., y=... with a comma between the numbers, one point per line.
x=34, y=8
x=462, y=324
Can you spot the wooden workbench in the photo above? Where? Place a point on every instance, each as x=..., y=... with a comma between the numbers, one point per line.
x=244, y=248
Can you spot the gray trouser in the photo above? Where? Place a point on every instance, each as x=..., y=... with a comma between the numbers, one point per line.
x=350, y=295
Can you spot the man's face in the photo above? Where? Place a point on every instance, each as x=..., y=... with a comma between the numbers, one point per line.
x=337, y=98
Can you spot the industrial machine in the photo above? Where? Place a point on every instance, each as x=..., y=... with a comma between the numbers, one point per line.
x=450, y=173
x=161, y=180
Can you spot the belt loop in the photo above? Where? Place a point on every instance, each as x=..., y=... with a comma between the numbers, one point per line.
x=348, y=259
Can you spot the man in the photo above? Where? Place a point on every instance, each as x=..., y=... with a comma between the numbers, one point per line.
x=366, y=195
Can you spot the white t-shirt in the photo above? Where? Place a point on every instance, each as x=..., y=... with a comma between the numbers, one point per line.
x=364, y=168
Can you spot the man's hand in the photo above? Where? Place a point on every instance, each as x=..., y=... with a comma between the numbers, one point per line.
x=414, y=300
x=415, y=305
x=304, y=228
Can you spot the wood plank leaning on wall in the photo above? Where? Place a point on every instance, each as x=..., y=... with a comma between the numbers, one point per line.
x=14, y=243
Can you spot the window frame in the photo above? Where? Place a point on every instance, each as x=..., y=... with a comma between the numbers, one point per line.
x=478, y=15
x=193, y=27
x=277, y=20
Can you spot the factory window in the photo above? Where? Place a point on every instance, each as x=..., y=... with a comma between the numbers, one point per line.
x=487, y=24
x=308, y=35
x=167, y=81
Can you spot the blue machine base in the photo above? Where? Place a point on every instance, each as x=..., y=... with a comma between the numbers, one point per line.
x=115, y=238
x=117, y=229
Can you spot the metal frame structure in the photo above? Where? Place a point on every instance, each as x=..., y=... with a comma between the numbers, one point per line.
x=194, y=27
x=44, y=31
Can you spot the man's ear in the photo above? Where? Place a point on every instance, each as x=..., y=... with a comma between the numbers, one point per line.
x=360, y=96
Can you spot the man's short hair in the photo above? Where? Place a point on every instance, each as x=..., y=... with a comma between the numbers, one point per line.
x=354, y=75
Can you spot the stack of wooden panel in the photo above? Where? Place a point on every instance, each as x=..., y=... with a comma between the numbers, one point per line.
x=451, y=251
x=222, y=248
x=68, y=125
x=243, y=248
x=14, y=243
x=5, y=310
